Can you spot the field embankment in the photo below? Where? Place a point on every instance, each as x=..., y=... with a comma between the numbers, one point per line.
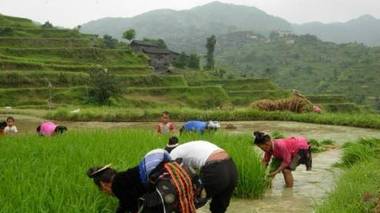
x=358, y=189
x=110, y=114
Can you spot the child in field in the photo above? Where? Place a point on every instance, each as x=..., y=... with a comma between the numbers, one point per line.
x=11, y=127
x=49, y=128
x=165, y=126
x=199, y=126
x=290, y=152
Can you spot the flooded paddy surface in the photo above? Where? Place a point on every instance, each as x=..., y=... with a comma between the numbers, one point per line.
x=339, y=134
x=309, y=187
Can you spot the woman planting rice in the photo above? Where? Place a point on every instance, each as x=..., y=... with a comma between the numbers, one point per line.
x=48, y=128
x=156, y=185
x=291, y=151
x=217, y=171
x=199, y=126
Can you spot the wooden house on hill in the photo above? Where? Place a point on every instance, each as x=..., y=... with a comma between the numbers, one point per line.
x=160, y=58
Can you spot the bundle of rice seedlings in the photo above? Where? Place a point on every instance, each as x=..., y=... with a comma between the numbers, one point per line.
x=293, y=104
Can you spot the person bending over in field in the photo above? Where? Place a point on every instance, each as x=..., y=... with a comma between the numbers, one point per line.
x=218, y=172
x=156, y=185
x=165, y=126
x=11, y=127
x=49, y=128
x=288, y=153
x=3, y=124
x=199, y=126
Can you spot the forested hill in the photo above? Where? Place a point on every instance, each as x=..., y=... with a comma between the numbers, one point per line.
x=365, y=29
x=305, y=63
x=187, y=29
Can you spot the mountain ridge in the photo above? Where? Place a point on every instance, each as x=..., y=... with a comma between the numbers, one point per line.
x=221, y=18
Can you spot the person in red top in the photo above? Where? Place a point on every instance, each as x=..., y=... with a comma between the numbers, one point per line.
x=165, y=126
x=291, y=151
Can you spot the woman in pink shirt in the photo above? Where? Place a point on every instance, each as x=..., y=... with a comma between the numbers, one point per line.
x=291, y=151
x=49, y=128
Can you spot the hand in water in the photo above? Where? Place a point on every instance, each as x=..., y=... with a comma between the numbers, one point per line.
x=272, y=174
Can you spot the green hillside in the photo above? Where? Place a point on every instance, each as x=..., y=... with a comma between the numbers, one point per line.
x=304, y=63
x=49, y=67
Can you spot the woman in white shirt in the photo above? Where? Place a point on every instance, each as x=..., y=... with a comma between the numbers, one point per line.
x=217, y=170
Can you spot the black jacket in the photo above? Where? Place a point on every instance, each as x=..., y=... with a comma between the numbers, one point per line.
x=127, y=187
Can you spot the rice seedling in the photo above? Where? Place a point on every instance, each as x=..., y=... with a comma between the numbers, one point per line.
x=48, y=174
x=357, y=190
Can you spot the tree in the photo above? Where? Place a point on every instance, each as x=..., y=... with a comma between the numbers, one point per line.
x=181, y=61
x=129, y=34
x=109, y=42
x=193, y=61
x=210, y=45
x=47, y=24
x=103, y=85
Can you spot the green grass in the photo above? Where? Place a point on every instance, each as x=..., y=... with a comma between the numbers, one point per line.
x=319, y=99
x=365, y=120
x=21, y=42
x=206, y=97
x=246, y=97
x=16, y=22
x=358, y=189
x=33, y=32
x=48, y=174
x=340, y=107
x=241, y=84
x=30, y=65
x=72, y=55
x=22, y=79
x=40, y=96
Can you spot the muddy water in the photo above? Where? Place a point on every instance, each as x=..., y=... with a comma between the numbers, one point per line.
x=309, y=187
x=340, y=134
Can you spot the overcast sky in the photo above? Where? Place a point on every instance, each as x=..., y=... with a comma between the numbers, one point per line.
x=70, y=13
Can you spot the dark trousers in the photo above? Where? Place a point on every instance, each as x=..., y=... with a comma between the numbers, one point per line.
x=219, y=179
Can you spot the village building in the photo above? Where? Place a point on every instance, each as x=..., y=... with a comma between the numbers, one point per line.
x=159, y=58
